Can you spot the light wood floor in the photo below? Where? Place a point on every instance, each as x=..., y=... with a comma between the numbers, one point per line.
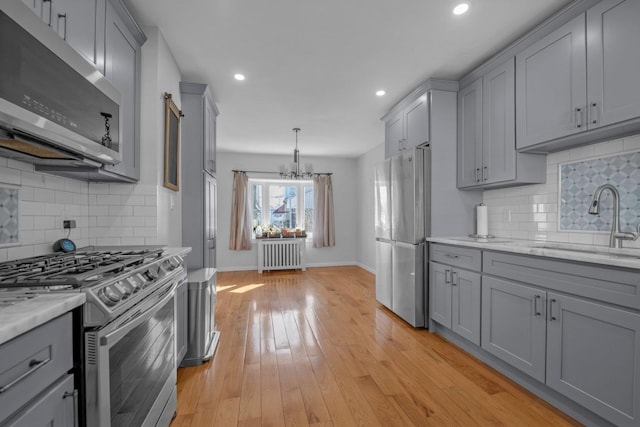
x=315, y=348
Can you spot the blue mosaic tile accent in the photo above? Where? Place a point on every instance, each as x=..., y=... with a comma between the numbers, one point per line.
x=578, y=182
x=8, y=215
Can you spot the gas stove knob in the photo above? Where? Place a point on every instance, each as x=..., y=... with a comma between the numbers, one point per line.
x=135, y=285
x=125, y=288
x=151, y=274
x=109, y=295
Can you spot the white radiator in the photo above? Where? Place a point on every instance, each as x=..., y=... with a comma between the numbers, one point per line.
x=281, y=254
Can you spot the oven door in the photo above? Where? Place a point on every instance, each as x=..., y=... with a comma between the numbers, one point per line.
x=131, y=365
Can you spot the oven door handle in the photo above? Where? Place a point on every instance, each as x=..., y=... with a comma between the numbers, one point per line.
x=138, y=318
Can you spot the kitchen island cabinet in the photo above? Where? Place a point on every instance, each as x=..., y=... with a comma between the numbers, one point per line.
x=577, y=84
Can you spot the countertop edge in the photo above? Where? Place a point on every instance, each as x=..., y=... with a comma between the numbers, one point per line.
x=24, y=316
x=531, y=247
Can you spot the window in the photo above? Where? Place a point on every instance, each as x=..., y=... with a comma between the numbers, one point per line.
x=282, y=204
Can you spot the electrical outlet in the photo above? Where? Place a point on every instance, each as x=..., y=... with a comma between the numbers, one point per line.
x=69, y=223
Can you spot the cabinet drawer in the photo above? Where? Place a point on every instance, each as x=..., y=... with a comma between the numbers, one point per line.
x=471, y=259
x=33, y=361
x=614, y=285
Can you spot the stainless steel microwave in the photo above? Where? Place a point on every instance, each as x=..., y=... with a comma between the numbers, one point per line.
x=55, y=107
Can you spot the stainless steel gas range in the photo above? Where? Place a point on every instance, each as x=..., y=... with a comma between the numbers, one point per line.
x=127, y=326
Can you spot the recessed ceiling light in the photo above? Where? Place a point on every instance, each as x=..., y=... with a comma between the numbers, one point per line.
x=381, y=93
x=460, y=9
x=238, y=76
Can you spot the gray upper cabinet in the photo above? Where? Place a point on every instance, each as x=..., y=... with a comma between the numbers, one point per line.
x=551, y=78
x=514, y=325
x=613, y=59
x=73, y=20
x=123, y=41
x=210, y=113
x=577, y=84
x=199, y=198
x=407, y=125
x=487, y=156
x=470, y=134
x=393, y=135
x=594, y=357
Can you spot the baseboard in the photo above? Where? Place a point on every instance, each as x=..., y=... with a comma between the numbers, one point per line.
x=312, y=265
x=366, y=267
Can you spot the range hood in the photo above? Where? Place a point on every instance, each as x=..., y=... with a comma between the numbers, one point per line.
x=56, y=110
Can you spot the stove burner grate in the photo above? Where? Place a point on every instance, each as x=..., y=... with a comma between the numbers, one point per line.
x=73, y=269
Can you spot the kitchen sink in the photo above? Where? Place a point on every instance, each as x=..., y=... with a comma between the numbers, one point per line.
x=588, y=249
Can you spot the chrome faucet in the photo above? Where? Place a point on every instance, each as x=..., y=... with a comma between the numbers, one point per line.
x=616, y=235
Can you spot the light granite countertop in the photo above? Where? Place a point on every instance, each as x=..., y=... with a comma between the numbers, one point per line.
x=625, y=258
x=22, y=314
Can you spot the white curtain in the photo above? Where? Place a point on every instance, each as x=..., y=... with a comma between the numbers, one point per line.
x=323, y=222
x=240, y=230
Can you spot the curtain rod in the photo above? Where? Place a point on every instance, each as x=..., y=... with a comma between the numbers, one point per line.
x=278, y=173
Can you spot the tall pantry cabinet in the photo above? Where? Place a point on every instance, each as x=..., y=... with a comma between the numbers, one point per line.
x=198, y=188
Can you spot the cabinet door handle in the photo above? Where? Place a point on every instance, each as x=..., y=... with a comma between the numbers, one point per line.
x=594, y=113
x=485, y=173
x=61, y=16
x=551, y=315
x=446, y=276
x=50, y=9
x=73, y=394
x=454, y=278
x=451, y=255
x=34, y=365
x=477, y=174
x=536, y=310
x=579, y=117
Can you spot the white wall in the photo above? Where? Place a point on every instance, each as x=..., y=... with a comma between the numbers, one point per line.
x=365, y=207
x=345, y=204
x=531, y=212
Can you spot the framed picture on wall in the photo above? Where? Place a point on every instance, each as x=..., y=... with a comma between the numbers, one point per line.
x=172, y=117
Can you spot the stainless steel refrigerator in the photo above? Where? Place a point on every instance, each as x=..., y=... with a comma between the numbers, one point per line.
x=401, y=225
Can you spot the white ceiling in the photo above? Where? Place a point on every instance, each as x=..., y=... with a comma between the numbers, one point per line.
x=317, y=64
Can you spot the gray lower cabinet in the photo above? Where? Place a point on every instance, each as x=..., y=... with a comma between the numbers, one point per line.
x=53, y=408
x=454, y=296
x=36, y=387
x=514, y=325
x=593, y=357
x=587, y=350
x=455, y=289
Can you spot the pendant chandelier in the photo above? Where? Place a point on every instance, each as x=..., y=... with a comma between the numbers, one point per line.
x=293, y=170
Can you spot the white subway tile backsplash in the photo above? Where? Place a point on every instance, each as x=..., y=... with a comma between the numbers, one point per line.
x=14, y=164
x=104, y=213
x=531, y=212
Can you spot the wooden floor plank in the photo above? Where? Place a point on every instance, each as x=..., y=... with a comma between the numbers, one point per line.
x=314, y=348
